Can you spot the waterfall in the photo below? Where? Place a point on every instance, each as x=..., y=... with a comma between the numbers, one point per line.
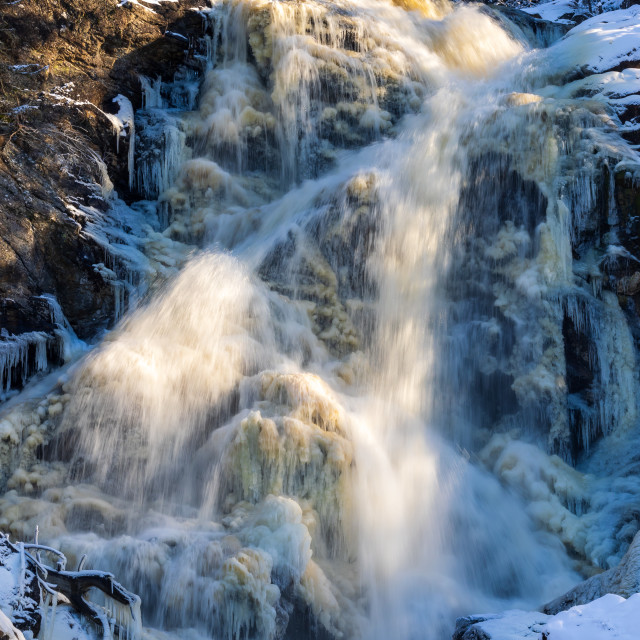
x=346, y=410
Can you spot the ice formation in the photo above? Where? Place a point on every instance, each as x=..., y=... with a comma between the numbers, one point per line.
x=123, y=125
x=368, y=257
x=15, y=352
x=610, y=616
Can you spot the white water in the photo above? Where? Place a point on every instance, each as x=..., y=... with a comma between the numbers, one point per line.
x=282, y=431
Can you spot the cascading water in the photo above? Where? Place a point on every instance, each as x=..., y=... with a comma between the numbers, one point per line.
x=278, y=443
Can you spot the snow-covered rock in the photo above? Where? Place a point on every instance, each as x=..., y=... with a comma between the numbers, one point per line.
x=608, y=618
x=570, y=11
x=622, y=580
x=7, y=630
x=606, y=42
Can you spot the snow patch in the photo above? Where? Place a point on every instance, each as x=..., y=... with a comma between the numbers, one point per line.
x=144, y=3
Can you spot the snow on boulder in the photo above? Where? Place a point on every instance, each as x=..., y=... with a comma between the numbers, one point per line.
x=596, y=609
x=608, y=618
x=510, y=625
x=560, y=11
x=610, y=41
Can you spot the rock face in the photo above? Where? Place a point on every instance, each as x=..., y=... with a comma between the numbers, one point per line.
x=61, y=65
x=623, y=580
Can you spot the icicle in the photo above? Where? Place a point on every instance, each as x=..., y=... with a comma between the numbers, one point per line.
x=161, y=154
x=14, y=353
x=124, y=124
x=151, y=93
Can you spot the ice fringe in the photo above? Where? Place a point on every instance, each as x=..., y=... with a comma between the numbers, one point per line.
x=123, y=124
x=115, y=612
x=14, y=356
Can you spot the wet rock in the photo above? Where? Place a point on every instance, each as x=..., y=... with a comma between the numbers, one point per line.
x=538, y=32
x=324, y=264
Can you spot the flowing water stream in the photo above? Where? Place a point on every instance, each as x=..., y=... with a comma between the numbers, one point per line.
x=370, y=211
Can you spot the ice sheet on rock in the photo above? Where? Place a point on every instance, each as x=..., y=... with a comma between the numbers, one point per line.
x=618, y=89
x=226, y=579
x=591, y=510
x=122, y=232
x=599, y=44
x=72, y=346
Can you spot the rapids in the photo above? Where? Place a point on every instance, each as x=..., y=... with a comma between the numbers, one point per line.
x=335, y=413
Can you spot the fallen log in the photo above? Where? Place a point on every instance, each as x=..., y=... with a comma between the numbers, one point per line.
x=119, y=615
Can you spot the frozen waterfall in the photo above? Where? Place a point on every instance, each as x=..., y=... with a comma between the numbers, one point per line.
x=344, y=410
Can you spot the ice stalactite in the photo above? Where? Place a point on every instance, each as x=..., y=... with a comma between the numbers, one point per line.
x=123, y=125
x=16, y=352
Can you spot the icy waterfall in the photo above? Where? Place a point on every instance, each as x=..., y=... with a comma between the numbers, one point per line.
x=346, y=414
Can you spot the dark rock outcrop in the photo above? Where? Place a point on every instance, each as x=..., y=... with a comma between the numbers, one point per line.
x=467, y=629
x=61, y=65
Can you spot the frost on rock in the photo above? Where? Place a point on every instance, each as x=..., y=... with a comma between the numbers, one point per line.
x=25, y=355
